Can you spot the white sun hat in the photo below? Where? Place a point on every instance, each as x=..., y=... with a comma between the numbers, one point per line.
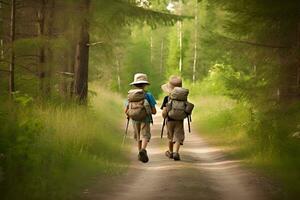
x=140, y=78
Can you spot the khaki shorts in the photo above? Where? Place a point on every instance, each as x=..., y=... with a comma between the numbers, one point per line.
x=141, y=130
x=175, y=131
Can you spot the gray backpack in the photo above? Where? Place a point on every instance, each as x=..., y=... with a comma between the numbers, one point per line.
x=138, y=106
x=178, y=107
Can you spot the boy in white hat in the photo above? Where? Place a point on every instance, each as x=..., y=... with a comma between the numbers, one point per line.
x=141, y=125
x=175, y=127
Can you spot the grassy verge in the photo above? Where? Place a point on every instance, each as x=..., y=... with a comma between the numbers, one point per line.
x=51, y=152
x=226, y=123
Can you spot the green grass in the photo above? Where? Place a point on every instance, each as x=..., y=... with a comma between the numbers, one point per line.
x=226, y=123
x=220, y=118
x=51, y=152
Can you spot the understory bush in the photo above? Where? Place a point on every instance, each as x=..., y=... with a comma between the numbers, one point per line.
x=253, y=127
x=49, y=151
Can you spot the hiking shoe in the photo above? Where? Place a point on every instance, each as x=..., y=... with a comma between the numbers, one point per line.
x=143, y=156
x=169, y=154
x=176, y=156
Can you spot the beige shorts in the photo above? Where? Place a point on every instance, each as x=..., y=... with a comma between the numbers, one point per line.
x=175, y=131
x=141, y=130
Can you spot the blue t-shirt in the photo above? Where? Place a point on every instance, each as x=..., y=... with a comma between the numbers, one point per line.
x=150, y=98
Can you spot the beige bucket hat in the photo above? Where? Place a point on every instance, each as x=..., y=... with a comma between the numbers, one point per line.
x=140, y=78
x=174, y=81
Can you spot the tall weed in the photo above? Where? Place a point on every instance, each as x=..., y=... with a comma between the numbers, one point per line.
x=50, y=151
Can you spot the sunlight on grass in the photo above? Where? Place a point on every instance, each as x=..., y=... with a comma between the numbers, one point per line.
x=220, y=119
x=52, y=151
x=225, y=123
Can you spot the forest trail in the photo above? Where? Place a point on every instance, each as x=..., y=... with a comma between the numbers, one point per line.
x=203, y=173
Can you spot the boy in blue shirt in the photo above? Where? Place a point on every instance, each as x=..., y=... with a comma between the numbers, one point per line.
x=142, y=133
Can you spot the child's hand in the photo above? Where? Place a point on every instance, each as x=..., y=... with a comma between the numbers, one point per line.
x=153, y=111
x=164, y=113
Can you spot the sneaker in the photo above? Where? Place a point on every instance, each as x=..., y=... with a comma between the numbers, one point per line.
x=143, y=156
x=176, y=156
x=169, y=154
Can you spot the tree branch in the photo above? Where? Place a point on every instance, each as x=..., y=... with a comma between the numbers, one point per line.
x=23, y=67
x=4, y=70
x=256, y=43
x=66, y=73
x=93, y=44
x=22, y=56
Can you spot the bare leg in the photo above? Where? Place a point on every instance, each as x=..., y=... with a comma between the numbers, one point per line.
x=139, y=145
x=177, y=146
x=144, y=143
x=176, y=154
x=171, y=144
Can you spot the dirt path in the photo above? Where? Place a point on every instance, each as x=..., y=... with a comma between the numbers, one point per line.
x=204, y=173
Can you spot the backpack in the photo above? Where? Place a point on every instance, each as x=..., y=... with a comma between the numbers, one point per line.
x=178, y=107
x=138, y=106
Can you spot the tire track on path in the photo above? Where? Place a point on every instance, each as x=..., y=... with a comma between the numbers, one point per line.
x=203, y=173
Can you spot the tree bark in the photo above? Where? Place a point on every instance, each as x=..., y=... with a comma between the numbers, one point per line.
x=82, y=59
x=71, y=69
x=151, y=48
x=195, y=43
x=42, y=51
x=161, y=57
x=12, y=39
x=180, y=45
x=180, y=38
x=1, y=33
x=49, y=66
x=118, y=73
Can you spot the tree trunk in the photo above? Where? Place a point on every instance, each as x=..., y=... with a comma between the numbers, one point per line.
x=42, y=50
x=82, y=59
x=161, y=57
x=180, y=45
x=195, y=43
x=151, y=48
x=1, y=49
x=71, y=69
x=1, y=33
x=12, y=39
x=288, y=91
x=298, y=59
x=180, y=37
x=118, y=73
x=49, y=67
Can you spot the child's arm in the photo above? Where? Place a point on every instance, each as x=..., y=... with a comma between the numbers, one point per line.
x=153, y=110
x=152, y=102
x=126, y=107
x=164, y=112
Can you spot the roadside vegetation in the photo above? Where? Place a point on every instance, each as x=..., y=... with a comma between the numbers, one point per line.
x=50, y=150
x=263, y=138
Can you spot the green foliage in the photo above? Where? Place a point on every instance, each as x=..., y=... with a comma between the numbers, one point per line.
x=259, y=134
x=174, y=53
x=50, y=152
x=23, y=99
